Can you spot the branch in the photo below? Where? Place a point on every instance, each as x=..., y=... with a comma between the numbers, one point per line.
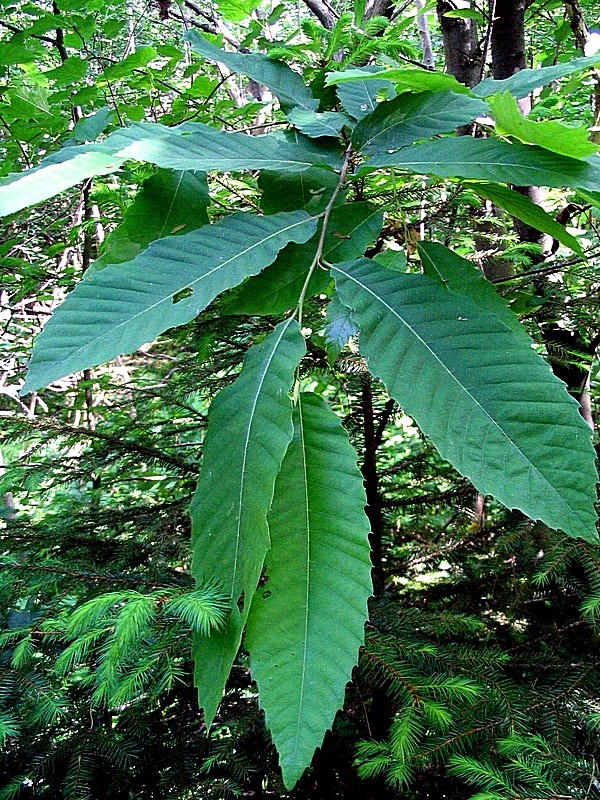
x=323, y=11
x=15, y=29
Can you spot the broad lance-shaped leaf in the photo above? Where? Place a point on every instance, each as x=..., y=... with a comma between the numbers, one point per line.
x=168, y=203
x=409, y=117
x=285, y=84
x=493, y=160
x=249, y=429
x=116, y=309
x=521, y=207
x=307, y=622
x=525, y=81
x=189, y=146
x=489, y=403
x=405, y=79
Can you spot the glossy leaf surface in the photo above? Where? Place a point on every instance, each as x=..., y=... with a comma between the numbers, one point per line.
x=551, y=134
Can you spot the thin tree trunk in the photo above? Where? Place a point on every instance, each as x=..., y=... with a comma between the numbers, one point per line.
x=508, y=57
x=425, y=36
x=581, y=33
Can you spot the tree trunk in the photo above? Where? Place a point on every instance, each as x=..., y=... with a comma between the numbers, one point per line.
x=508, y=57
x=462, y=53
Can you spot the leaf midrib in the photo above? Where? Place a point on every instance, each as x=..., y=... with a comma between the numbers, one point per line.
x=307, y=587
x=191, y=284
x=460, y=385
x=257, y=395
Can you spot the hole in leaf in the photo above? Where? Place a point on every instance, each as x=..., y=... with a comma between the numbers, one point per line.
x=182, y=294
x=265, y=595
x=241, y=602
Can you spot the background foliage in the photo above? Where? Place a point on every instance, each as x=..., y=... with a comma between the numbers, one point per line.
x=478, y=676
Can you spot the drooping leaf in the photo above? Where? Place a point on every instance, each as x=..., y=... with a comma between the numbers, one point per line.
x=116, y=309
x=285, y=84
x=361, y=95
x=551, y=134
x=315, y=125
x=493, y=160
x=168, y=203
x=522, y=208
x=189, y=146
x=307, y=622
x=249, y=429
x=352, y=228
x=409, y=117
x=525, y=81
x=486, y=399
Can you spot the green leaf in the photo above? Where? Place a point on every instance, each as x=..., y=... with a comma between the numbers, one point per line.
x=285, y=84
x=288, y=191
x=486, y=399
x=328, y=123
x=116, y=309
x=236, y=10
x=414, y=80
x=29, y=102
x=522, y=208
x=409, y=117
x=89, y=128
x=550, y=134
x=460, y=277
x=71, y=71
x=360, y=95
x=190, y=146
x=493, y=160
x=249, y=429
x=140, y=58
x=307, y=622
x=352, y=228
x=525, y=81
x=392, y=259
x=339, y=326
x=168, y=203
